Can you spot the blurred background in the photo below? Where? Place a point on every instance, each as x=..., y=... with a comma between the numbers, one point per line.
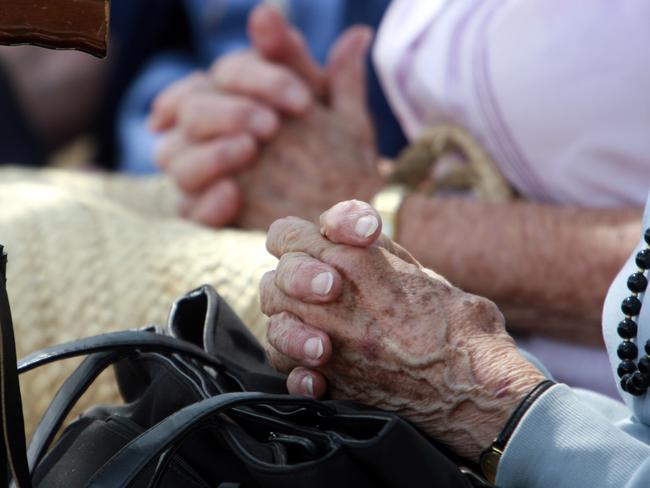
x=66, y=108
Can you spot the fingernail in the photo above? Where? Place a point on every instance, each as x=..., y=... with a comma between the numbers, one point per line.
x=296, y=97
x=313, y=348
x=262, y=123
x=366, y=226
x=308, y=385
x=322, y=283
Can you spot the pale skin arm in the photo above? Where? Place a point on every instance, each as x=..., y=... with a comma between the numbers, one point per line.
x=547, y=267
x=58, y=90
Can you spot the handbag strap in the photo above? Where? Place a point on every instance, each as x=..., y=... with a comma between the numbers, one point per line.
x=128, y=463
x=64, y=400
x=126, y=341
x=105, y=350
x=11, y=409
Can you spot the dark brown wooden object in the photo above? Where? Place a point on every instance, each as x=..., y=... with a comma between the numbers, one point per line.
x=56, y=24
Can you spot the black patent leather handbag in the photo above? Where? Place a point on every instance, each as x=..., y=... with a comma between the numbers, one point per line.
x=202, y=408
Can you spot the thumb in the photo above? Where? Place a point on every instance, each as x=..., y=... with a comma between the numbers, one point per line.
x=347, y=75
x=276, y=40
x=353, y=222
x=356, y=223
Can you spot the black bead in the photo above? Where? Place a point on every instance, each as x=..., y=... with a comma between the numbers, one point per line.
x=623, y=382
x=646, y=236
x=631, y=306
x=627, y=328
x=637, y=283
x=634, y=390
x=627, y=350
x=640, y=381
x=644, y=365
x=626, y=367
x=643, y=259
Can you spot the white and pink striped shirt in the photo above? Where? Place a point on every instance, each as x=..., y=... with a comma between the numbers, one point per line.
x=558, y=91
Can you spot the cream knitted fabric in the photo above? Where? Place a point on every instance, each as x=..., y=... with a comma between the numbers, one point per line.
x=92, y=253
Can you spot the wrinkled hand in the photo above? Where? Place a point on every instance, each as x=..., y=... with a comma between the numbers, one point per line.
x=313, y=163
x=348, y=305
x=268, y=132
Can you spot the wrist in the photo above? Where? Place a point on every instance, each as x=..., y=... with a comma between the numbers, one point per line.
x=490, y=458
x=513, y=387
x=499, y=388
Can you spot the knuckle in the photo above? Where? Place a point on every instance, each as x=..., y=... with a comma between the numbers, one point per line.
x=277, y=325
x=281, y=234
x=195, y=78
x=220, y=67
x=285, y=333
x=290, y=261
x=192, y=105
x=240, y=110
x=191, y=116
x=223, y=153
x=227, y=69
x=292, y=232
x=272, y=328
x=218, y=152
x=237, y=117
x=179, y=90
x=266, y=287
x=277, y=82
x=278, y=230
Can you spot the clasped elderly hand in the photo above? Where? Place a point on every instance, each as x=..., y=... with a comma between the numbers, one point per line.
x=268, y=132
x=352, y=312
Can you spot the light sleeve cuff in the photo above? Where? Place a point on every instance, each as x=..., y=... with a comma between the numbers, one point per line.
x=562, y=442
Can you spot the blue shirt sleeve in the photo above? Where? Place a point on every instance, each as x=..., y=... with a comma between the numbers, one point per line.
x=137, y=142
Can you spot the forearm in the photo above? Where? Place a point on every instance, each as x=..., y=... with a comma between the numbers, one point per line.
x=538, y=262
x=58, y=91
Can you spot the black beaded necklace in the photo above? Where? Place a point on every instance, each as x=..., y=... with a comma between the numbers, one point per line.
x=635, y=379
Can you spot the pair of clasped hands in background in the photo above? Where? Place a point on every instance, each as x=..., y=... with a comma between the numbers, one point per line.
x=350, y=311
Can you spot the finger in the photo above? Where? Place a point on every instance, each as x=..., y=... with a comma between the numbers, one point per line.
x=356, y=223
x=294, y=339
x=217, y=206
x=395, y=249
x=347, y=77
x=202, y=163
x=274, y=301
x=307, y=279
x=275, y=39
x=210, y=114
x=278, y=86
x=164, y=108
x=352, y=222
x=293, y=234
x=170, y=144
x=306, y=382
x=279, y=361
